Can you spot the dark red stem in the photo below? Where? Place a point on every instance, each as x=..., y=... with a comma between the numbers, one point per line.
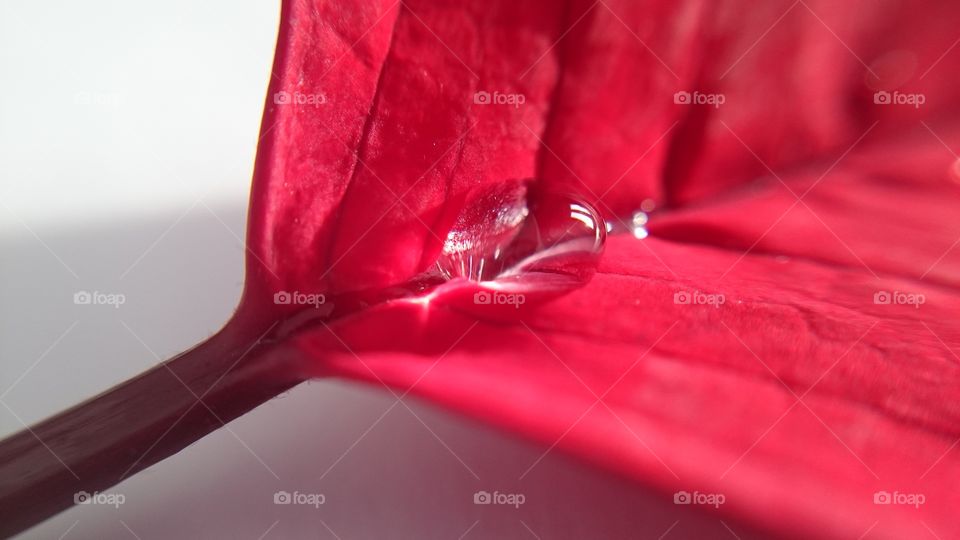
x=98, y=443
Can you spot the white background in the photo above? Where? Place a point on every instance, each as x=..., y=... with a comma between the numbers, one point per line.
x=127, y=136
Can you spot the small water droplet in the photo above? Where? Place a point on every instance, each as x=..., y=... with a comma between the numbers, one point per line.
x=638, y=225
x=513, y=231
x=648, y=205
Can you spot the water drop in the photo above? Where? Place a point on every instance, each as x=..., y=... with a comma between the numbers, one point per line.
x=518, y=231
x=638, y=225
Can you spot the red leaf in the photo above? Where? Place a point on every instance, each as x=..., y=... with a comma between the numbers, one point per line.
x=785, y=337
x=796, y=397
x=796, y=201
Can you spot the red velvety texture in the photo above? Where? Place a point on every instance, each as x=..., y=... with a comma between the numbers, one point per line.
x=798, y=398
x=797, y=200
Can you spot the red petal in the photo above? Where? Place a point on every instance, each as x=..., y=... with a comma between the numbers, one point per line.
x=799, y=397
x=355, y=192
x=796, y=397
